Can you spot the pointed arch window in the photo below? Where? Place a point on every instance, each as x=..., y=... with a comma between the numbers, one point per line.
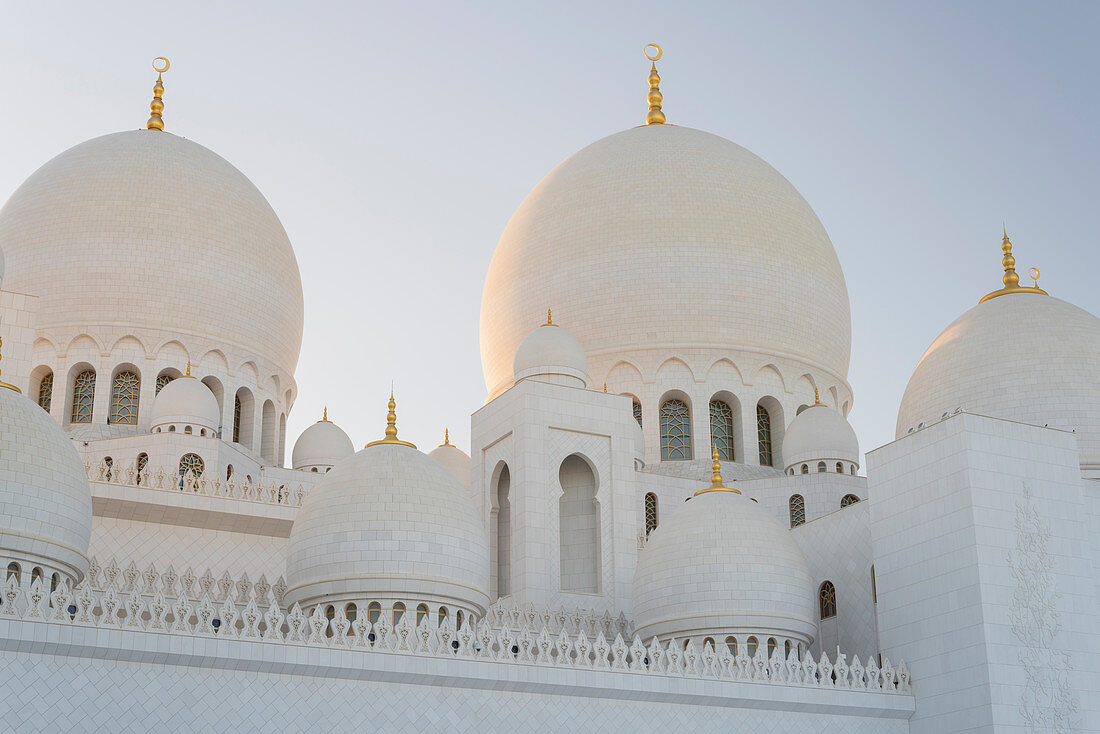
x=352, y=613
x=142, y=462
x=83, y=393
x=751, y=644
x=848, y=500
x=36, y=575
x=797, y=505
x=108, y=465
x=638, y=412
x=421, y=613
x=764, y=435
x=237, y=419
x=731, y=645
x=826, y=596
x=124, y=398
x=675, y=431
x=650, y=512
x=45, y=392
x=398, y=612
x=190, y=463
x=721, y=429
x=163, y=380
x=374, y=612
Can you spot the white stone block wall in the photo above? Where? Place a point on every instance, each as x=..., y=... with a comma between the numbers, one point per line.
x=18, y=312
x=985, y=580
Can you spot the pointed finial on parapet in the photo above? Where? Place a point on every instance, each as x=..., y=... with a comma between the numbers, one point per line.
x=156, y=107
x=655, y=116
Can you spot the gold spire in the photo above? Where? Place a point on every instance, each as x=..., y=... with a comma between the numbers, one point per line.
x=391, y=428
x=446, y=438
x=324, y=416
x=549, y=319
x=655, y=116
x=189, y=370
x=605, y=387
x=817, y=399
x=1010, y=279
x=156, y=107
x=715, y=475
x=2, y=383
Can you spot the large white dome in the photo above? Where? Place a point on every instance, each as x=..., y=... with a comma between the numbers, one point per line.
x=718, y=565
x=389, y=523
x=150, y=231
x=45, y=500
x=665, y=237
x=1021, y=356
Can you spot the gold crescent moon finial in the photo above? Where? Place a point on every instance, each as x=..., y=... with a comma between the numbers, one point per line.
x=1034, y=274
x=657, y=56
x=156, y=107
x=655, y=116
x=161, y=64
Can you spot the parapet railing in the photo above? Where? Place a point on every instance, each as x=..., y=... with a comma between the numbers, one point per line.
x=162, y=479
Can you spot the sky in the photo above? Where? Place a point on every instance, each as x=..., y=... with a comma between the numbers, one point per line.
x=394, y=140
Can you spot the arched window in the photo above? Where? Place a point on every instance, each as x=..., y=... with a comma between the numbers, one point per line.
x=228, y=472
x=36, y=575
x=124, y=398
x=330, y=614
x=839, y=468
x=45, y=392
x=805, y=469
x=187, y=430
x=750, y=646
x=787, y=649
x=852, y=469
x=171, y=429
x=821, y=468
x=731, y=645
x=237, y=419
x=827, y=600
x=13, y=570
x=421, y=613
x=772, y=644
x=504, y=534
x=398, y=612
x=650, y=512
x=721, y=429
x=190, y=463
x=83, y=392
x=675, y=431
x=708, y=641
x=55, y=579
x=108, y=465
x=458, y=619
x=797, y=505
x=442, y=616
x=352, y=613
x=764, y=435
x=314, y=470
x=142, y=462
x=163, y=380
x=579, y=527
x=374, y=612
x=202, y=432
x=638, y=412
x=848, y=499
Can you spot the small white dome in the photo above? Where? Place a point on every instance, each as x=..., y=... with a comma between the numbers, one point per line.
x=454, y=459
x=388, y=522
x=321, y=446
x=186, y=401
x=1022, y=356
x=551, y=354
x=45, y=501
x=820, y=433
x=719, y=565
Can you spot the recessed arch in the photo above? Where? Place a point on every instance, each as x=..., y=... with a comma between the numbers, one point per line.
x=125, y=394
x=214, y=361
x=218, y=390
x=269, y=432
x=676, y=371
x=131, y=345
x=736, y=439
x=725, y=372
x=244, y=418
x=769, y=375
x=769, y=431
x=579, y=526
x=86, y=342
x=502, y=527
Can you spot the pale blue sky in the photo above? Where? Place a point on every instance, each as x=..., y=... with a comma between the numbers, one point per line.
x=395, y=139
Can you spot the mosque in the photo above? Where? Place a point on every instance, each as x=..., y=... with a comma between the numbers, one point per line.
x=663, y=520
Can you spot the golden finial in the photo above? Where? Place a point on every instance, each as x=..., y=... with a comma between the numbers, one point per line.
x=189, y=370
x=605, y=387
x=1034, y=274
x=324, y=416
x=817, y=399
x=716, y=475
x=1011, y=279
x=156, y=107
x=655, y=116
x=2, y=383
x=549, y=319
x=446, y=438
x=391, y=427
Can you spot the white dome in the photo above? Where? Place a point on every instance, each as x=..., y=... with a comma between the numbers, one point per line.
x=665, y=237
x=321, y=445
x=389, y=522
x=186, y=401
x=551, y=354
x=148, y=231
x=820, y=433
x=45, y=500
x=718, y=565
x=455, y=460
x=1021, y=356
